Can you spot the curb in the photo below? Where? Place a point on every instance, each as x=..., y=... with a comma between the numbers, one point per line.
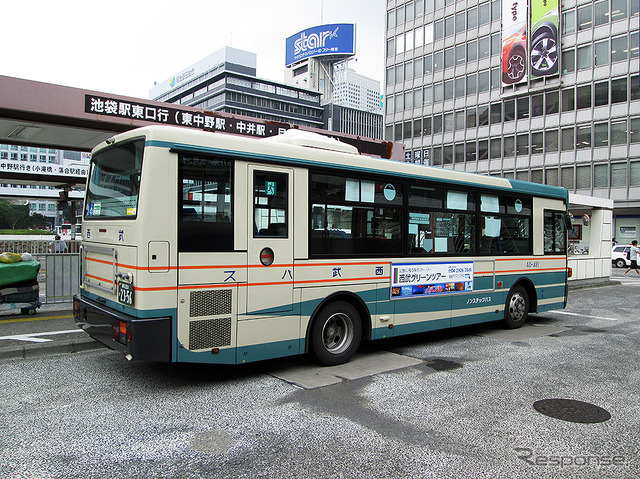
x=55, y=347
x=594, y=284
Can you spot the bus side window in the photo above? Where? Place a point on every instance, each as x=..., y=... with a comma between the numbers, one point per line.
x=205, y=204
x=270, y=204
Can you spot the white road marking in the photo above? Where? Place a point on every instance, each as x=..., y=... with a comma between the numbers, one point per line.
x=35, y=337
x=582, y=315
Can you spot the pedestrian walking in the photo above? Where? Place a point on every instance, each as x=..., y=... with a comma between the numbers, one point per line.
x=633, y=256
x=58, y=245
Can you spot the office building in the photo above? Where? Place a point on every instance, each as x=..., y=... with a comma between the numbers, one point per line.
x=226, y=81
x=578, y=128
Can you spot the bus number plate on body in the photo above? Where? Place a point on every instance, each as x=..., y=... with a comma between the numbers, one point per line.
x=125, y=293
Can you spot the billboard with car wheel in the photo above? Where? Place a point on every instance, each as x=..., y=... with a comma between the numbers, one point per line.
x=545, y=45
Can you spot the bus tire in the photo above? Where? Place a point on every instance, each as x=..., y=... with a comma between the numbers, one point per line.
x=516, y=308
x=336, y=333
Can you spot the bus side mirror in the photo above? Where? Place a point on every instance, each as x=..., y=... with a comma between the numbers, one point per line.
x=568, y=221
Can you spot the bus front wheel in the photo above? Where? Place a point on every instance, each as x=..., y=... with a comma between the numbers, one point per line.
x=336, y=333
x=516, y=308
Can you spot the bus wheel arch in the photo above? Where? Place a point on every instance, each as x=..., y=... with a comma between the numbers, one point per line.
x=337, y=327
x=521, y=300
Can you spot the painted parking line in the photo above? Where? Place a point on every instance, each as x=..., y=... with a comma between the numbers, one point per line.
x=36, y=337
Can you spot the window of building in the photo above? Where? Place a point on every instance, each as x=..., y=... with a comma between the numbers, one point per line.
x=496, y=81
x=437, y=124
x=471, y=117
x=428, y=95
x=601, y=93
x=398, y=132
x=522, y=105
x=509, y=144
x=449, y=57
x=568, y=139
x=551, y=176
x=448, y=90
x=601, y=50
x=522, y=144
x=483, y=81
x=601, y=176
x=460, y=54
x=537, y=143
x=634, y=130
x=552, y=102
x=618, y=175
x=459, y=119
x=438, y=30
x=484, y=47
x=484, y=13
x=619, y=132
x=407, y=130
x=584, y=57
x=551, y=140
x=437, y=61
x=459, y=87
x=619, y=9
x=428, y=64
x=583, y=177
x=483, y=115
x=635, y=8
x=619, y=90
x=568, y=99
x=471, y=84
x=471, y=151
x=566, y=177
x=496, y=44
x=601, y=135
x=583, y=137
x=583, y=97
x=417, y=67
x=635, y=88
x=568, y=22
x=568, y=61
x=472, y=18
x=619, y=49
x=426, y=126
x=537, y=105
x=460, y=23
x=509, y=110
x=495, y=148
x=634, y=173
x=496, y=113
x=601, y=12
x=585, y=17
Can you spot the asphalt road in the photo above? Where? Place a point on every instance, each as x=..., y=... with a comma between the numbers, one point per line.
x=457, y=404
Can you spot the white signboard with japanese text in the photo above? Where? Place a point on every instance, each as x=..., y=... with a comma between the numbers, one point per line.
x=410, y=280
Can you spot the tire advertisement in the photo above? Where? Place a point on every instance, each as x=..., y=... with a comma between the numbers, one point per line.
x=514, y=41
x=545, y=47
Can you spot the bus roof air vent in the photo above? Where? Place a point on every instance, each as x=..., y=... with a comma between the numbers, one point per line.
x=312, y=140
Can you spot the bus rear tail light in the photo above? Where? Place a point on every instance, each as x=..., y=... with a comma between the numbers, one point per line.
x=569, y=272
x=121, y=331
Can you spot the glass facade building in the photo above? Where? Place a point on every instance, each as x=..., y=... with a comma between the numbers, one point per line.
x=580, y=128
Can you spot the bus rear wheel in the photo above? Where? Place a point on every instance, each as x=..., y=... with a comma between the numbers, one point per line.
x=336, y=333
x=516, y=308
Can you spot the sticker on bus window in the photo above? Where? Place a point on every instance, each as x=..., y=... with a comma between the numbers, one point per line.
x=411, y=280
x=131, y=211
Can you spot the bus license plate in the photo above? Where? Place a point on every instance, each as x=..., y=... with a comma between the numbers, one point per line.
x=125, y=293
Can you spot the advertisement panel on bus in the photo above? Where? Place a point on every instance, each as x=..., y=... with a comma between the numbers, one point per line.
x=323, y=40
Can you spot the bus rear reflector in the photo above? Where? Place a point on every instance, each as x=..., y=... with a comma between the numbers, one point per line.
x=120, y=331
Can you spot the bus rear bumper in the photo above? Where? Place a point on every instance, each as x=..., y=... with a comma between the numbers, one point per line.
x=145, y=339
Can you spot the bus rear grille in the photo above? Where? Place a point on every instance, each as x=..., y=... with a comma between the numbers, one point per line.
x=209, y=333
x=210, y=303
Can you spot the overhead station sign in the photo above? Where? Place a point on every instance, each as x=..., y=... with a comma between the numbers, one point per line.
x=337, y=39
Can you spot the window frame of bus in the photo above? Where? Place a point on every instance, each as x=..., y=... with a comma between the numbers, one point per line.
x=139, y=143
x=504, y=199
x=557, y=218
x=201, y=234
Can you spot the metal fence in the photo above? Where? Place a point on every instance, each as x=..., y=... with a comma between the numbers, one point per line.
x=59, y=272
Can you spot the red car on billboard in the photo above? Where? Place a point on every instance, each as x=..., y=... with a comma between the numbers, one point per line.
x=514, y=56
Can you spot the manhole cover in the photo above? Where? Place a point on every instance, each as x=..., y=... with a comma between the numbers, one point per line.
x=571, y=410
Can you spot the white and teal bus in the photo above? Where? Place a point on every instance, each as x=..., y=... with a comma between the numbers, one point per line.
x=213, y=248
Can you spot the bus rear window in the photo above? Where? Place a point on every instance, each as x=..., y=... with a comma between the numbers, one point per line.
x=114, y=182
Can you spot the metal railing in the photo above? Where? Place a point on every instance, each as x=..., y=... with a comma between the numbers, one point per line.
x=59, y=274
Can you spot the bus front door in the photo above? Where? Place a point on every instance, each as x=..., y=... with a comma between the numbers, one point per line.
x=270, y=246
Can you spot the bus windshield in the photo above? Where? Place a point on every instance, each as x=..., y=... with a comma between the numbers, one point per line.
x=114, y=181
